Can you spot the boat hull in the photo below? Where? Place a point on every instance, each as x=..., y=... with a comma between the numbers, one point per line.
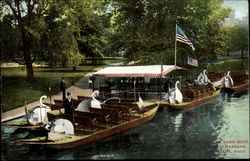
x=186, y=105
x=81, y=140
x=240, y=87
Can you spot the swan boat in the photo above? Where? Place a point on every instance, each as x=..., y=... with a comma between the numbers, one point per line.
x=237, y=81
x=190, y=96
x=99, y=130
x=187, y=103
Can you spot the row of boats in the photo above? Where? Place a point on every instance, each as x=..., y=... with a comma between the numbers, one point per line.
x=93, y=118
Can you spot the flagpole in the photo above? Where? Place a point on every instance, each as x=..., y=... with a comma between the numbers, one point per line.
x=160, y=81
x=175, y=45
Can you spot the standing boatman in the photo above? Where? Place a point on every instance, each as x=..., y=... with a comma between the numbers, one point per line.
x=68, y=104
x=63, y=88
x=90, y=82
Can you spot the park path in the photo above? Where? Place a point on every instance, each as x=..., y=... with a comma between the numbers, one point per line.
x=79, y=89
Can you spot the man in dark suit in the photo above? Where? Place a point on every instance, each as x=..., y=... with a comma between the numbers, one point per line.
x=62, y=88
x=68, y=104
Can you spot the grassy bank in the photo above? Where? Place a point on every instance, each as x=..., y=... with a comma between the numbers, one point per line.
x=15, y=89
x=232, y=63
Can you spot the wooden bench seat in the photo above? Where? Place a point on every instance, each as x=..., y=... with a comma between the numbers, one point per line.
x=109, y=115
x=125, y=108
x=86, y=120
x=54, y=106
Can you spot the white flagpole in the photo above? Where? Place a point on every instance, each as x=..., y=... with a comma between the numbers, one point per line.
x=175, y=45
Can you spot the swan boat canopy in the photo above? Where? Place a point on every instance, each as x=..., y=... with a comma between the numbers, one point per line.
x=154, y=71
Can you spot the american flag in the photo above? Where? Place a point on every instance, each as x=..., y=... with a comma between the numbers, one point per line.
x=180, y=36
x=192, y=61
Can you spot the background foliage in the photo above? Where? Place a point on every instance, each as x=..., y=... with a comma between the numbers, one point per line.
x=64, y=32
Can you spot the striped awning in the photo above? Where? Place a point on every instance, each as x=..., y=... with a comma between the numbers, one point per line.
x=137, y=71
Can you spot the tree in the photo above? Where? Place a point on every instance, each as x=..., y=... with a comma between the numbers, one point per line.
x=58, y=44
x=239, y=39
x=74, y=29
x=27, y=14
x=92, y=27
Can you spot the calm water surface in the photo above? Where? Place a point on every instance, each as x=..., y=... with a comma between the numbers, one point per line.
x=217, y=129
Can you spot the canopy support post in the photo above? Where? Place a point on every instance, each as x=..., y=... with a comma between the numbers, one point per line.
x=134, y=90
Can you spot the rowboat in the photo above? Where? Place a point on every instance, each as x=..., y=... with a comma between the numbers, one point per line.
x=188, y=103
x=81, y=137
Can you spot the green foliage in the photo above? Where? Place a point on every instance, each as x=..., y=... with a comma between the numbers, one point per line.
x=239, y=38
x=145, y=30
x=61, y=32
x=64, y=32
x=10, y=40
x=235, y=64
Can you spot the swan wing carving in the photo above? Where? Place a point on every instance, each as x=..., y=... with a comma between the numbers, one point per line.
x=62, y=126
x=218, y=83
x=84, y=105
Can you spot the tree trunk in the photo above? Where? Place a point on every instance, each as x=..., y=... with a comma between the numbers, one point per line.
x=27, y=53
x=242, y=50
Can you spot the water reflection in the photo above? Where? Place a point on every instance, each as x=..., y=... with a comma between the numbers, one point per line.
x=196, y=133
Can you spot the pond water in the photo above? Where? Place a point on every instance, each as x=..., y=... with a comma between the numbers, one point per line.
x=217, y=129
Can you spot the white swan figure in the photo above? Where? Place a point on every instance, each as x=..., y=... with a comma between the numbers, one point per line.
x=228, y=81
x=178, y=94
x=205, y=78
x=174, y=95
x=94, y=102
x=200, y=79
x=41, y=101
x=170, y=95
x=140, y=103
x=38, y=115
